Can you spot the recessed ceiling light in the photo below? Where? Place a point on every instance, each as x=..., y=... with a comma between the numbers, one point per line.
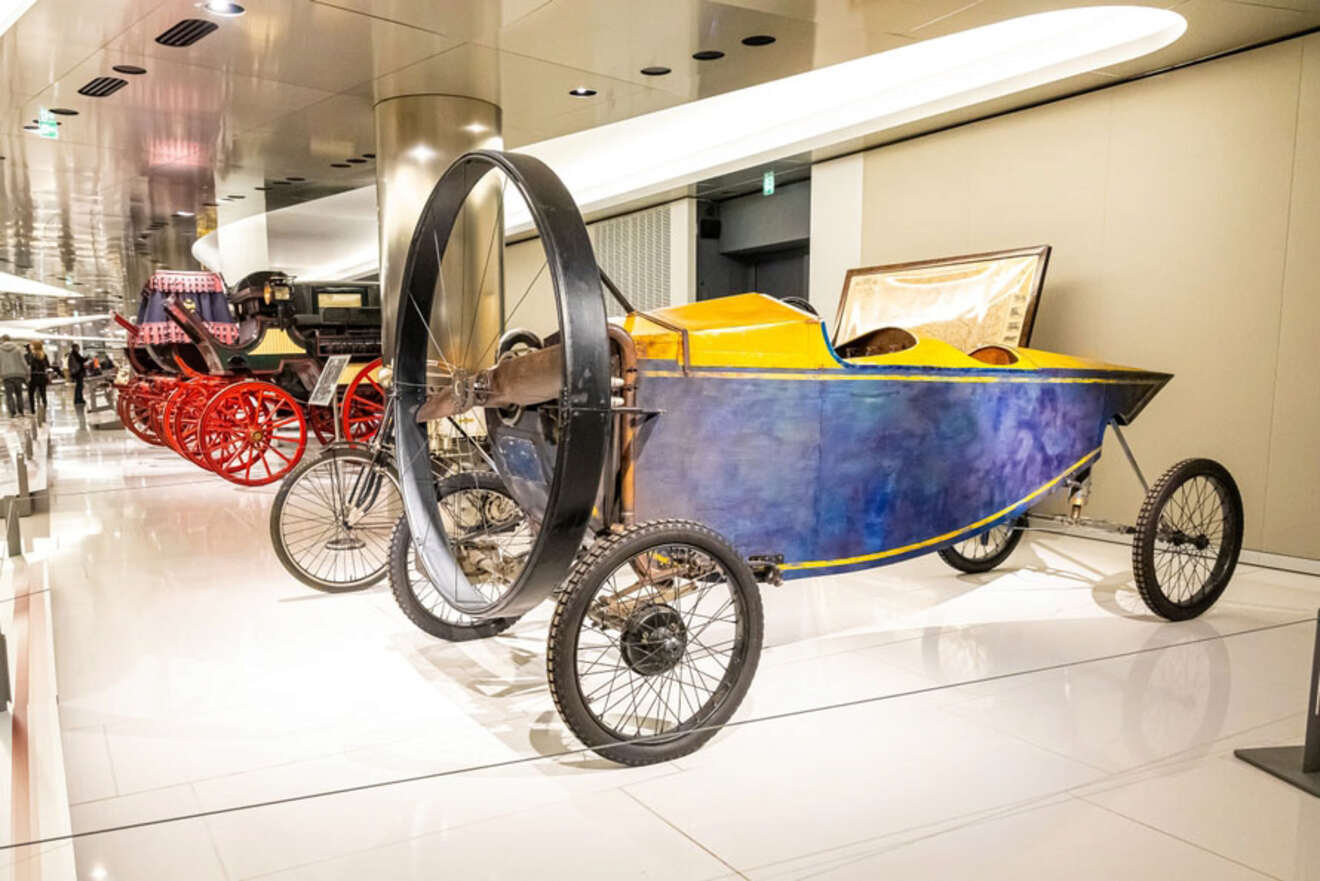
x=708, y=55
x=581, y=92
x=340, y=165
x=183, y=214
x=29, y=127
x=758, y=40
x=130, y=69
x=63, y=111
x=635, y=158
x=210, y=204
x=368, y=155
x=295, y=180
x=235, y=196
x=475, y=128
x=355, y=161
x=655, y=71
x=222, y=7
x=261, y=189
x=280, y=183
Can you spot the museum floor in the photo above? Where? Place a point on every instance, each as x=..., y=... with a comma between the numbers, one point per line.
x=196, y=676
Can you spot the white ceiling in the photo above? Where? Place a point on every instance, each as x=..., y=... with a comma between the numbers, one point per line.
x=287, y=89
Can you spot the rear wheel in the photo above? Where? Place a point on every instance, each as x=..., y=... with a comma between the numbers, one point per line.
x=1188, y=538
x=654, y=641
x=489, y=536
x=252, y=433
x=363, y=409
x=985, y=551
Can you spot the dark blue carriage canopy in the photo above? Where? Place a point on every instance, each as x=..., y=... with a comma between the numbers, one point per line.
x=202, y=293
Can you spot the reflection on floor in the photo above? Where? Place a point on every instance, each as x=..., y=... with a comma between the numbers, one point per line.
x=195, y=675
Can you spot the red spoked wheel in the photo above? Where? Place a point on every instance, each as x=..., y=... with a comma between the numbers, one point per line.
x=156, y=410
x=322, y=422
x=252, y=433
x=167, y=416
x=187, y=416
x=364, y=404
x=136, y=413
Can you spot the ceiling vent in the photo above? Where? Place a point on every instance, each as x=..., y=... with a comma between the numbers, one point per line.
x=186, y=32
x=102, y=87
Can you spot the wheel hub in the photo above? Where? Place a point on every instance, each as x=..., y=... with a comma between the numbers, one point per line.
x=654, y=639
x=345, y=543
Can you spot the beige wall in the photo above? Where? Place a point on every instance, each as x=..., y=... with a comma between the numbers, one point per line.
x=1184, y=211
x=523, y=261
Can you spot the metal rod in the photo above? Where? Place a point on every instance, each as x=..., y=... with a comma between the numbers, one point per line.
x=1132, y=460
x=1311, y=750
x=614, y=290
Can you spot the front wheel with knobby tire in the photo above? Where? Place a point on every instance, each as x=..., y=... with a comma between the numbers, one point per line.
x=655, y=639
x=1188, y=538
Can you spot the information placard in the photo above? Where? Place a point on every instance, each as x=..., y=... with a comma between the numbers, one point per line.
x=328, y=380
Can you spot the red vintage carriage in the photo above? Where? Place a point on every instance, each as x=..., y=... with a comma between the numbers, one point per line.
x=223, y=379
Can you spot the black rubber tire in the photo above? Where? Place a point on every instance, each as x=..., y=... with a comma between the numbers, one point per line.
x=401, y=581
x=574, y=598
x=971, y=566
x=1143, y=541
x=339, y=451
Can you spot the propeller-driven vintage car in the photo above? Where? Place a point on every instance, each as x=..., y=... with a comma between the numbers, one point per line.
x=670, y=460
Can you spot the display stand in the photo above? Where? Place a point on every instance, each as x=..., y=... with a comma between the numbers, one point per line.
x=1298, y=765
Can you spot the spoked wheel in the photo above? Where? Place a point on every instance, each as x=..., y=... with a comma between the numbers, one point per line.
x=333, y=516
x=167, y=419
x=985, y=551
x=363, y=409
x=450, y=318
x=489, y=537
x=655, y=640
x=137, y=413
x=252, y=433
x=1188, y=538
x=187, y=417
x=156, y=410
x=322, y=423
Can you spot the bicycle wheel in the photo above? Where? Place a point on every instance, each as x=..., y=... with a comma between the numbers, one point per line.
x=333, y=516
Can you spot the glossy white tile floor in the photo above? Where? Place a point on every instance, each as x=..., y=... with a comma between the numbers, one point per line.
x=195, y=675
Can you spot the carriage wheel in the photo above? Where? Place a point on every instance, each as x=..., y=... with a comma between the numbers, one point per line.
x=983, y=552
x=363, y=409
x=654, y=641
x=187, y=418
x=321, y=421
x=333, y=516
x=1188, y=538
x=252, y=433
x=489, y=536
x=156, y=409
x=137, y=413
x=167, y=419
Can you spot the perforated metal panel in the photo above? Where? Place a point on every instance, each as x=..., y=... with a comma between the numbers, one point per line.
x=634, y=251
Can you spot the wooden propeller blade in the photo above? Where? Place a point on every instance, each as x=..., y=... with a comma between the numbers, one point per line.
x=527, y=379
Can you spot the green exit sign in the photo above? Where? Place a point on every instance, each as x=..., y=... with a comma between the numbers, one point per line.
x=768, y=183
x=46, y=125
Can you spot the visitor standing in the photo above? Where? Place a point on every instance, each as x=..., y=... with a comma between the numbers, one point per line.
x=14, y=371
x=77, y=371
x=40, y=366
